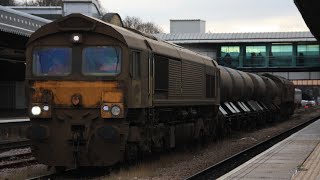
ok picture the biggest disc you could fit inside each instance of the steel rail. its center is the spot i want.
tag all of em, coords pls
(18, 163)
(14, 145)
(15, 156)
(224, 166)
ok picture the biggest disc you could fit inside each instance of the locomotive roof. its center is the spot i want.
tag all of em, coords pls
(132, 38)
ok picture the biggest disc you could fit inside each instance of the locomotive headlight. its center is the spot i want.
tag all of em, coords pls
(36, 110)
(105, 108)
(115, 110)
(45, 108)
(76, 38)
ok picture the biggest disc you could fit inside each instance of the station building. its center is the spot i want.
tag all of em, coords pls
(293, 55)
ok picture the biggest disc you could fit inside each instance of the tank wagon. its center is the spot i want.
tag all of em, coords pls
(99, 94)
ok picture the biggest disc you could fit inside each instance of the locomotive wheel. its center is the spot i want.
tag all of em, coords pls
(203, 138)
(60, 169)
(236, 124)
(131, 153)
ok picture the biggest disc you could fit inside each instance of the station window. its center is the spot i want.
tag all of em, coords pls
(229, 56)
(308, 55)
(135, 65)
(255, 56)
(280, 56)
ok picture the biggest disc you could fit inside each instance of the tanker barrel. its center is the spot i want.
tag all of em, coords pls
(248, 88)
(235, 85)
(273, 91)
(226, 85)
(259, 86)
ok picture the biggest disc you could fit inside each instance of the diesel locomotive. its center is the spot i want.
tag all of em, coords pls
(99, 94)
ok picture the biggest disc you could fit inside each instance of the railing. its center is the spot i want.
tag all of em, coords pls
(270, 61)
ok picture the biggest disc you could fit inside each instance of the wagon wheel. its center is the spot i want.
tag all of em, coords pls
(222, 126)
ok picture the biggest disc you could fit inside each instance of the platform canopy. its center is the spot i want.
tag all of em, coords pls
(310, 10)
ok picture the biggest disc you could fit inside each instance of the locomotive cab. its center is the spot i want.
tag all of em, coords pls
(78, 93)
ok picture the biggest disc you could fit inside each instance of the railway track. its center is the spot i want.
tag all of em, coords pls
(8, 145)
(81, 173)
(17, 160)
(223, 167)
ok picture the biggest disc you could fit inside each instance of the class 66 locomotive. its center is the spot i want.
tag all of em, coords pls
(99, 94)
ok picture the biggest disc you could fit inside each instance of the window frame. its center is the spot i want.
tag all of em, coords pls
(101, 74)
(70, 49)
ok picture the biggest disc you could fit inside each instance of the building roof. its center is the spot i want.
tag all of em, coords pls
(18, 22)
(186, 38)
(310, 13)
(186, 20)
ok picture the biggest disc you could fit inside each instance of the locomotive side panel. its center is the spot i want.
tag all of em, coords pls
(175, 79)
(193, 85)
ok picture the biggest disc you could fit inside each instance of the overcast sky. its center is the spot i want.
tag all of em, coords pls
(220, 15)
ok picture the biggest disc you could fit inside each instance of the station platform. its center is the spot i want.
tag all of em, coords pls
(14, 120)
(297, 157)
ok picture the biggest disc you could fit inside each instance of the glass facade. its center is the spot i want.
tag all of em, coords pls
(230, 56)
(270, 55)
(255, 56)
(280, 56)
(308, 55)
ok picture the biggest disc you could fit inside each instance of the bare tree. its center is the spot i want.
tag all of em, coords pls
(43, 3)
(8, 3)
(146, 27)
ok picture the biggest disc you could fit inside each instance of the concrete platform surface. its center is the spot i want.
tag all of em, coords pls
(13, 120)
(296, 157)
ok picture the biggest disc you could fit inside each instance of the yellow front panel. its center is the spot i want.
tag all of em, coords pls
(90, 92)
